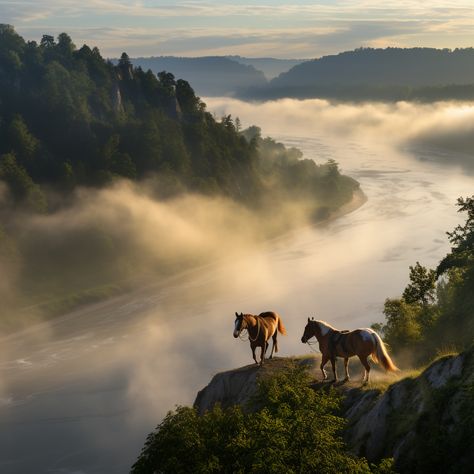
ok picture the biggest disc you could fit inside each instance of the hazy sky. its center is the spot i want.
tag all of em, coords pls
(278, 28)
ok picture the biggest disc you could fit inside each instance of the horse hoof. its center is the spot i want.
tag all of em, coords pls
(346, 380)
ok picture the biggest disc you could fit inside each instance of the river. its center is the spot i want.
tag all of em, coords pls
(79, 395)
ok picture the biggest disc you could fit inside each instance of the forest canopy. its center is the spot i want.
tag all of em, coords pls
(70, 118)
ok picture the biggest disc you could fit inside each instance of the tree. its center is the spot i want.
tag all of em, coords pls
(21, 141)
(462, 239)
(403, 327)
(65, 44)
(333, 168)
(167, 83)
(47, 41)
(422, 286)
(228, 122)
(124, 61)
(22, 188)
(238, 125)
(186, 97)
(10, 40)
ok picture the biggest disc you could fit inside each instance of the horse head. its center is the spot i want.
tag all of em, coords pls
(309, 330)
(239, 324)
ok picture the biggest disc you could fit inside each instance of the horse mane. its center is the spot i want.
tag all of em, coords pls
(324, 324)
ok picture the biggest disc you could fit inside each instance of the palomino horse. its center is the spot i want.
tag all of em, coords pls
(360, 343)
(260, 329)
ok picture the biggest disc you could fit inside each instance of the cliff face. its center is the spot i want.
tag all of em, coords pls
(417, 415)
(422, 419)
(236, 387)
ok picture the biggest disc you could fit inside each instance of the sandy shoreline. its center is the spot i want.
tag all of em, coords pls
(358, 200)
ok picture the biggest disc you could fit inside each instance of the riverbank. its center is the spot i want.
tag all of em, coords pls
(358, 200)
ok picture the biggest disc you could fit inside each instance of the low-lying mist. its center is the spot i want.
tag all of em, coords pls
(119, 237)
(125, 360)
(435, 127)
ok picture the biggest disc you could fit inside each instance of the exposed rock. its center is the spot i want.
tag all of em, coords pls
(438, 374)
(236, 387)
(228, 388)
(173, 109)
(117, 98)
(389, 425)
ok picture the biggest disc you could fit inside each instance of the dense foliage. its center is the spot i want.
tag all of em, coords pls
(436, 310)
(69, 118)
(294, 429)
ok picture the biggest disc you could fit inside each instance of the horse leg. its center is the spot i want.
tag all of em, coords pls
(364, 362)
(262, 354)
(333, 365)
(253, 354)
(275, 344)
(324, 360)
(346, 363)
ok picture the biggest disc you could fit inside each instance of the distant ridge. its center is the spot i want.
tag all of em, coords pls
(210, 75)
(390, 66)
(425, 74)
(271, 67)
(390, 73)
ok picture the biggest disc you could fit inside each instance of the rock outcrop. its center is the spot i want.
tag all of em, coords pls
(400, 421)
(236, 387)
(397, 422)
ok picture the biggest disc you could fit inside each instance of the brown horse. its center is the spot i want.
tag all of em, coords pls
(260, 329)
(360, 343)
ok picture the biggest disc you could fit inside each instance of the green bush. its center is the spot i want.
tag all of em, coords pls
(287, 428)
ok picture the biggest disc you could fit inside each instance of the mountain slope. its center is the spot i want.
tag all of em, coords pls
(425, 74)
(384, 67)
(271, 67)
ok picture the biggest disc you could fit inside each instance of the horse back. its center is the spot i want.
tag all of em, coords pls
(270, 320)
(269, 315)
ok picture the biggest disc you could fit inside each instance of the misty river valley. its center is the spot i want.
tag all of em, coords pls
(80, 393)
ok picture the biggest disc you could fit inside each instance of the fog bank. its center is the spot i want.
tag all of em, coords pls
(434, 127)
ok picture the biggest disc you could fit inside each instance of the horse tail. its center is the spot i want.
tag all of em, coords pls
(281, 327)
(380, 354)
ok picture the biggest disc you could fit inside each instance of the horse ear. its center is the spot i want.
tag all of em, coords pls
(312, 318)
(308, 320)
(236, 314)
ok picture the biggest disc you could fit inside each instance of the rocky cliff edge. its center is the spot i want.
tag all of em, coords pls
(400, 419)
